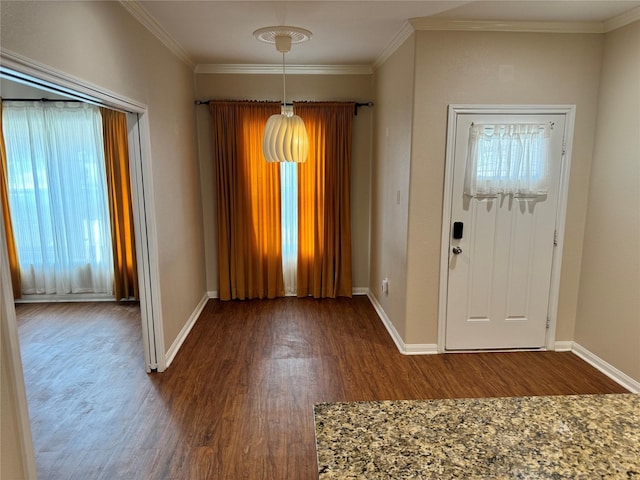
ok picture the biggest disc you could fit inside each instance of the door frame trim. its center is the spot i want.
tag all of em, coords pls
(454, 110)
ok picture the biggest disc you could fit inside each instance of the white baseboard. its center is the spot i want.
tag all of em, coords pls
(182, 336)
(563, 346)
(404, 348)
(395, 336)
(355, 291)
(420, 349)
(68, 298)
(609, 370)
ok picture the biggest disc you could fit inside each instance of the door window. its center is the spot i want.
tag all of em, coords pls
(507, 159)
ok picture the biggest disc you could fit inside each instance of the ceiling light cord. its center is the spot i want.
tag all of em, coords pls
(284, 83)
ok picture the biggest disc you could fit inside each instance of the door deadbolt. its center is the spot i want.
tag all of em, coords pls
(456, 250)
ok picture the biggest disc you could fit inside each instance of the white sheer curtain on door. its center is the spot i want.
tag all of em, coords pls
(510, 159)
(57, 197)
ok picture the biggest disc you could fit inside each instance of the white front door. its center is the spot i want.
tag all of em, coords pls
(499, 271)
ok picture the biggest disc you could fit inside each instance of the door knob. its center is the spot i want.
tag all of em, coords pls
(456, 250)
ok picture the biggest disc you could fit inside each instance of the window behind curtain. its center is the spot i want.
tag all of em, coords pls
(57, 197)
(289, 219)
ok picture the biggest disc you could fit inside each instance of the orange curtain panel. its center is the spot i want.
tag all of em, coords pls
(116, 153)
(324, 203)
(14, 265)
(248, 202)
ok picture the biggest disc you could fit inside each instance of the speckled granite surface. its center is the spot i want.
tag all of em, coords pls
(572, 437)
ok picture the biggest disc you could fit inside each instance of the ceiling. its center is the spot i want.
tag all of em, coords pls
(344, 32)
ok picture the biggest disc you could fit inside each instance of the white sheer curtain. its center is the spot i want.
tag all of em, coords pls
(289, 222)
(507, 159)
(57, 197)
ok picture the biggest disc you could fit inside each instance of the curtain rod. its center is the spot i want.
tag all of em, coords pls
(357, 104)
(40, 100)
(552, 124)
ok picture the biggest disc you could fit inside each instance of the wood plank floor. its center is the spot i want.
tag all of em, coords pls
(237, 402)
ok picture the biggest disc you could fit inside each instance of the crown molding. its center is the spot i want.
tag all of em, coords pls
(405, 32)
(444, 24)
(426, 23)
(150, 23)
(622, 20)
(277, 69)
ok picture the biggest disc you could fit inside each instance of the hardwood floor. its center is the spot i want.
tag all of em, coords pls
(237, 402)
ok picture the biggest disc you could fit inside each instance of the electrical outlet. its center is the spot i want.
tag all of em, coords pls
(385, 286)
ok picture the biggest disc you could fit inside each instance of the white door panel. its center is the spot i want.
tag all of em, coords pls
(498, 286)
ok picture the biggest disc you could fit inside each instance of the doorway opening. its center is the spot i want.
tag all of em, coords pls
(37, 77)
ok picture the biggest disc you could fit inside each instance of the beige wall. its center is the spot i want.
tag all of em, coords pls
(102, 44)
(608, 321)
(299, 87)
(390, 182)
(463, 68)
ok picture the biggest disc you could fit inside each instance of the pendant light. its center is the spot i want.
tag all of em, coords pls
(285, 136)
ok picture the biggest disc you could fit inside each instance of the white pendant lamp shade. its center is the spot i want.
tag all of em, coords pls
(285, 136)
(285, 139)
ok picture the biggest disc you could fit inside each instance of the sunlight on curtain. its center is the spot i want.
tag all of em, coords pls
(507, 159)
(289, 214)
(260, 182)
(58, 198)
(248, 202)
(324, 201)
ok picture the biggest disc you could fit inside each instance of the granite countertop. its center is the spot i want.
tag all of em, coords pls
(556, 437)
